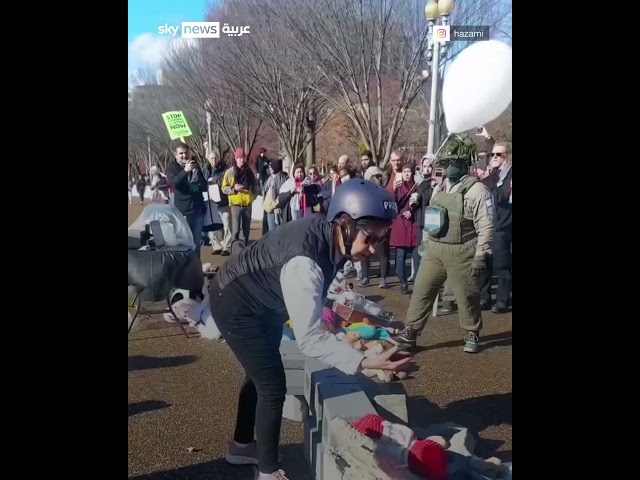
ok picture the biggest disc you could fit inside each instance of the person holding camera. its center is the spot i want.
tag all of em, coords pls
(186, 178)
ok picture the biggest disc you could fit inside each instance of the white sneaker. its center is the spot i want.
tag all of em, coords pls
(279, 475)
(471, 342)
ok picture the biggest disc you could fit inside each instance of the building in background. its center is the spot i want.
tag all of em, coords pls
(165, 77)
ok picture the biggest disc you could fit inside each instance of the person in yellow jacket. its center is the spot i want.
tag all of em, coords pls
(240, 184)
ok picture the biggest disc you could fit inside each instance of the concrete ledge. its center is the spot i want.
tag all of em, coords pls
(312, 438)
(354, 457)
(319, 468)
(292, 358)
(311, 366)
(329, 384)
(349, 407)
(295, 382)
(331, 394)
(295, 408)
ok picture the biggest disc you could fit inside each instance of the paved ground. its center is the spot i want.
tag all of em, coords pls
(182, 393)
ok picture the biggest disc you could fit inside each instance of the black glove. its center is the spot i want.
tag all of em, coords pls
(479, 265)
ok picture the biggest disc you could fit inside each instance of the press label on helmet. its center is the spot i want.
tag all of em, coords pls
(390, 206)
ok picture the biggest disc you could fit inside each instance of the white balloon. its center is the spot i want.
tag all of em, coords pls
(477, 85)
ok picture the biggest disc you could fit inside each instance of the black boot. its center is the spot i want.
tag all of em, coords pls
(485, 305)
(404, 288)
(406, 338)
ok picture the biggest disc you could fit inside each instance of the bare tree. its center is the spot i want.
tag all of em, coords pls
(144, 76)
(338, 137)
(369, 53)
(232, 118)
(500, 128)
(257, 69)
(147, 128)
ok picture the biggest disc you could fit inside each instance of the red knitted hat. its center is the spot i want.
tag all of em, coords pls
(370, 425)
(240, 153)
(428, 460)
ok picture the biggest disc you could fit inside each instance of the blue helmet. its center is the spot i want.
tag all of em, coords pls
(362, 198)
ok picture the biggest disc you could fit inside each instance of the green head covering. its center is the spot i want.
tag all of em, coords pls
(458, 150)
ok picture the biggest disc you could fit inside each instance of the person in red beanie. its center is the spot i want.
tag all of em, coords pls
(241, 185)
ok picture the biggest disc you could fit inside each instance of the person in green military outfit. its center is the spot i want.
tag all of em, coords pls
(459, 226)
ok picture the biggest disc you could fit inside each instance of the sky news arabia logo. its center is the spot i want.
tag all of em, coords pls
(457, 33)
(202, 30)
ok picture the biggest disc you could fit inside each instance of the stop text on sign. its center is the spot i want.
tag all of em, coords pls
(176, 124)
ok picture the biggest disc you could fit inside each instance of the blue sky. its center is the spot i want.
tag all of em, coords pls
(145, 46)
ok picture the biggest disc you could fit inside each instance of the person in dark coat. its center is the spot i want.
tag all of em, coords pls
(424, 191)
(329, 187)
(403, 230)
(498, 180)
(263, 163)
(141, 186)
(186, 178)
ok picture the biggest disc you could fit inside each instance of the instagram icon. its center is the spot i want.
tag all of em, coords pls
(441, 33)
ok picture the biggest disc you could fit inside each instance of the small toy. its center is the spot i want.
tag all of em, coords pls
(424, 458)
(371, 349)
(368, 332)
(354, 341)
(287, 331)
(329, 320)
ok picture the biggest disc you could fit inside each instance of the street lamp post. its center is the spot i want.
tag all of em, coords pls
(310, 129)
(208, 131)
(437, 12)
(149, 152)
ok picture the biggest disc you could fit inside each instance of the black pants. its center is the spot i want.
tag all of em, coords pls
(402, 253)
(383, 252)
(255, 341)
(500, 264)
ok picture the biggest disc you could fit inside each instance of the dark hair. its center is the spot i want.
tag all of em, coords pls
(332, 166)
(181, 145)
(297, 166)
(410, 165)
(263, 150)
(368, 154)
(276, 165)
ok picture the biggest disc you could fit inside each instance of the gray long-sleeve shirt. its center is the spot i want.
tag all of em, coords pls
(302, 282)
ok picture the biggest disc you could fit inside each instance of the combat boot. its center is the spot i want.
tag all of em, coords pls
(406, 338)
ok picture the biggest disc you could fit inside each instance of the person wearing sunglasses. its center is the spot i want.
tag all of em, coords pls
(459, 226)
(499, 183)
(286, 275)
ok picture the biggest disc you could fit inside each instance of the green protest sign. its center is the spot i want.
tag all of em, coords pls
(176, 124)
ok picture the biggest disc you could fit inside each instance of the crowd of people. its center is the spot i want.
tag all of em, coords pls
(288, 196)
(448, 225)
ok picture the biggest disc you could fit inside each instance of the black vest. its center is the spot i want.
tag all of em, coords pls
(254, 274)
